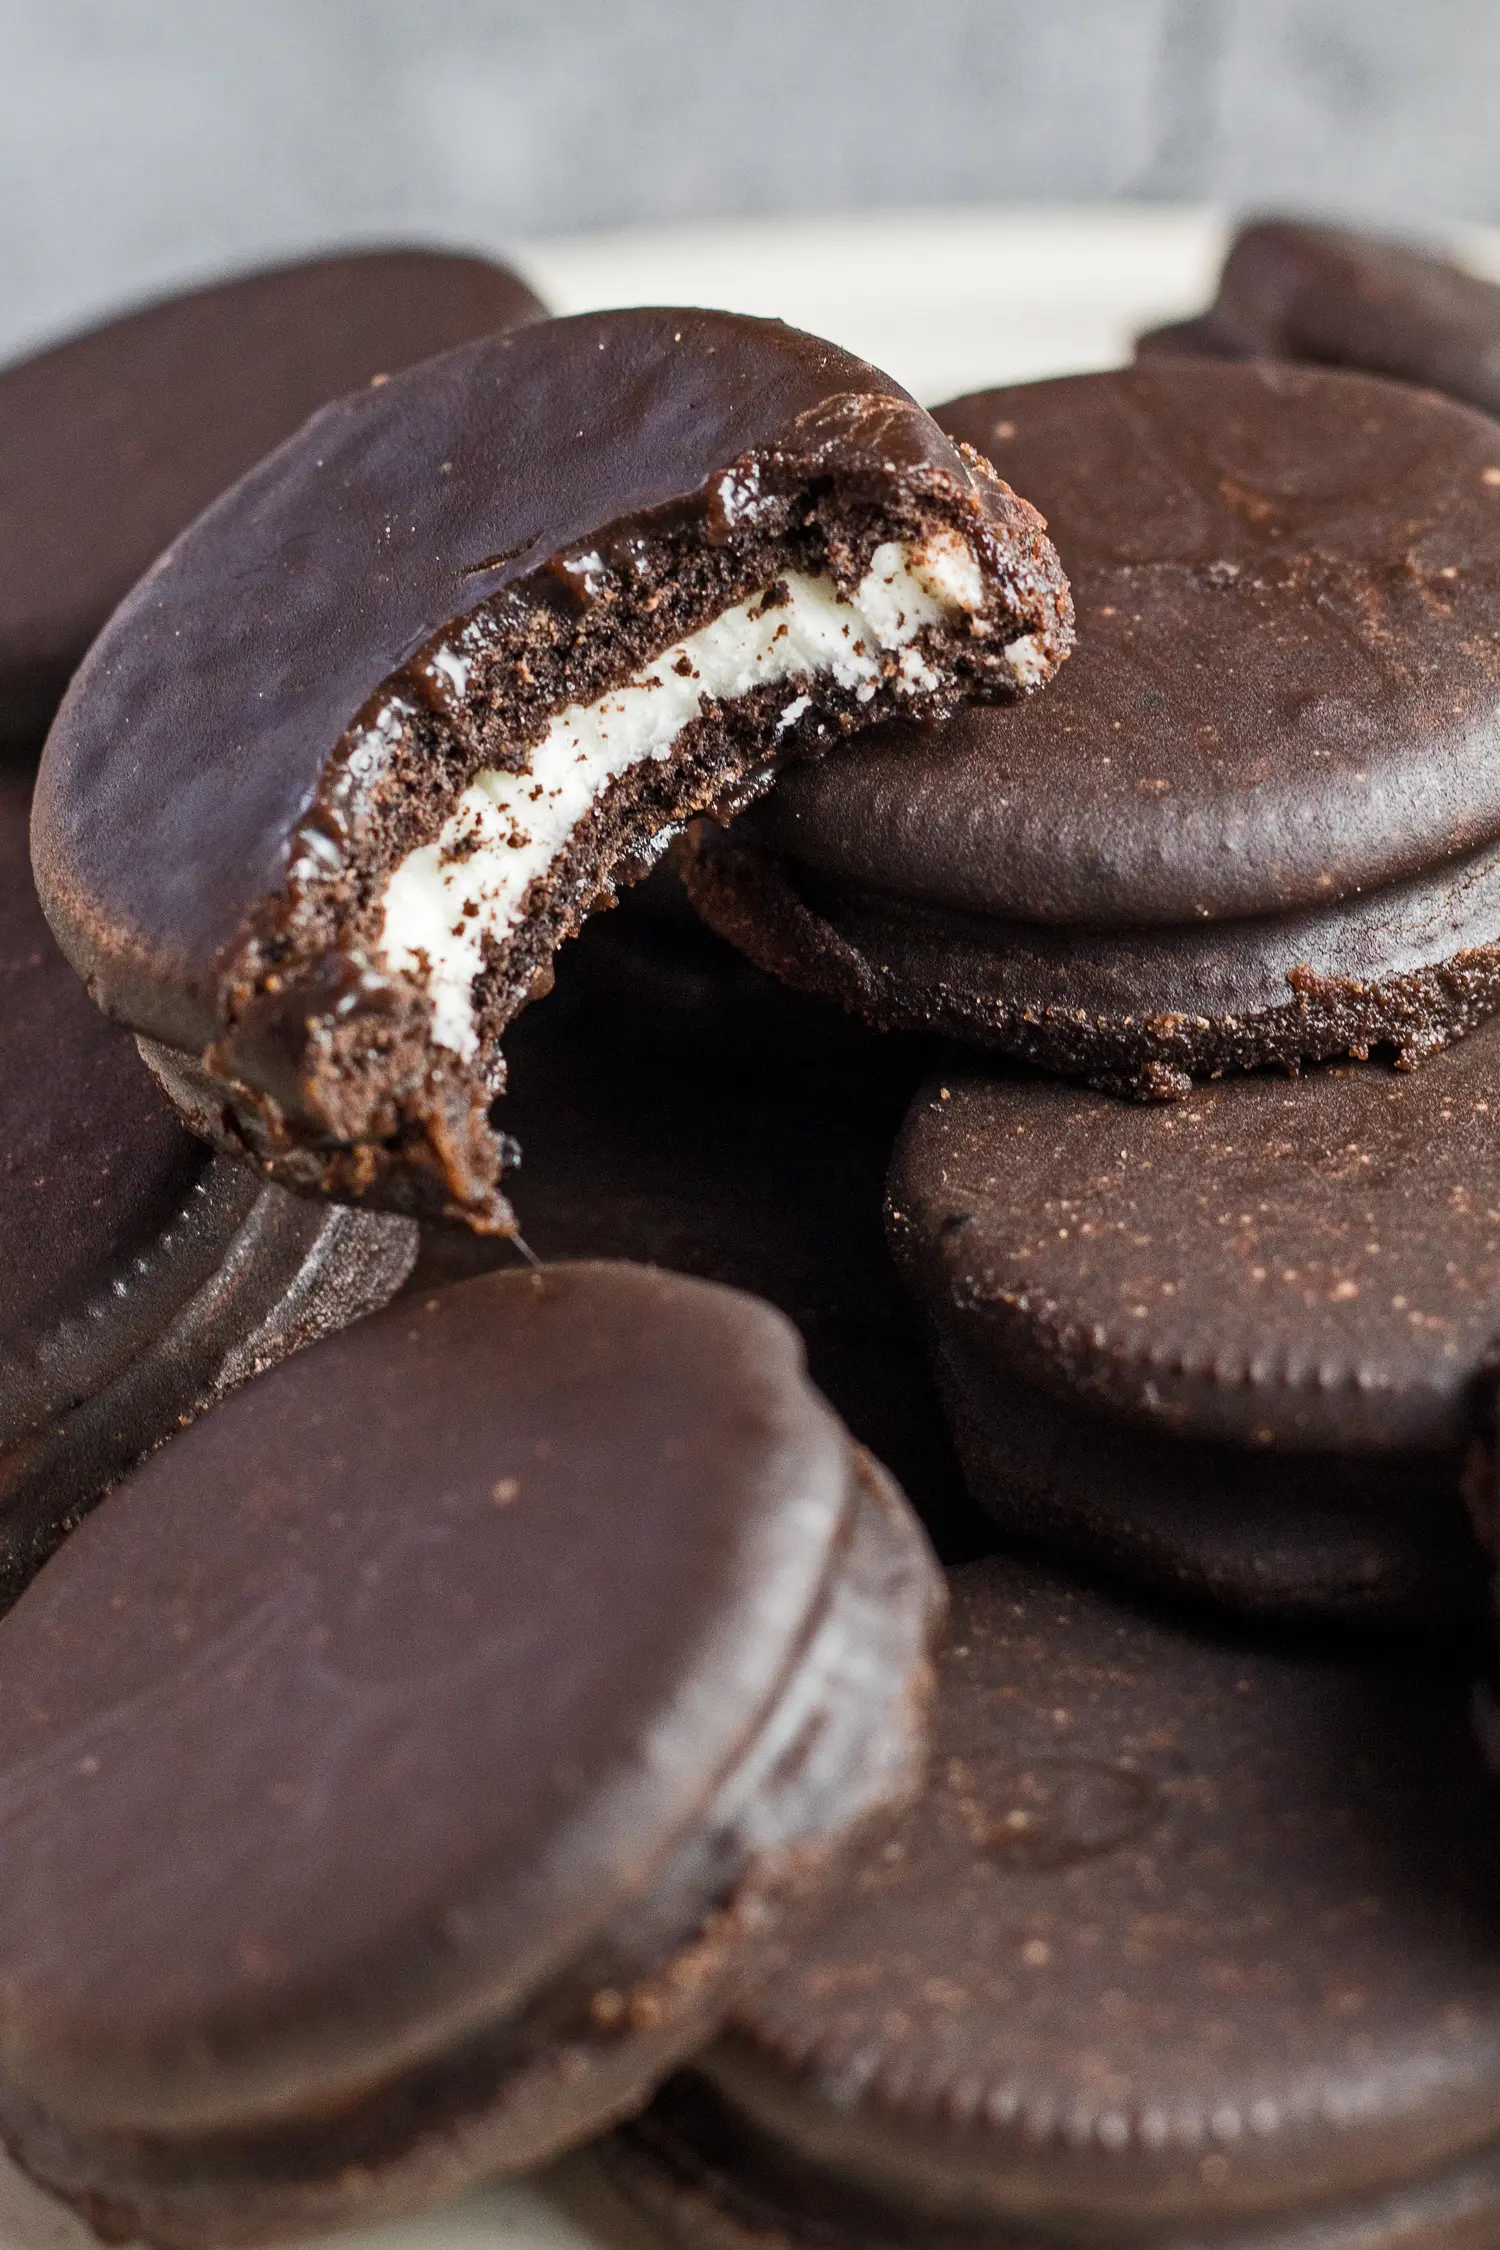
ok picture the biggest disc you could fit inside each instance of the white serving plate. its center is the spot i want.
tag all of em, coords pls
(946, 301)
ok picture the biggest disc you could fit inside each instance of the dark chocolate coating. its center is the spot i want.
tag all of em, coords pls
(115, 440)
(400, 1770)
(1286, 689)
(142, 1276)
(197, 736)
(1348, 299)
(1309, 1537)
(1198, 338)
(1187, 1942)
(1407, 968)
(1280, 1294)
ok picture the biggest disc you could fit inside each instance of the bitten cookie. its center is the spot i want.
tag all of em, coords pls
(143, 1277)
(1184, 1943)
(389, 720)
(116, 439)
(1257, 819)
(408, 1765)
(1236, 1348)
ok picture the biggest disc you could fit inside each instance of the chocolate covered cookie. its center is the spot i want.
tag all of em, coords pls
(116, 439)
(1344, 298)
(1236, 1347)
(381, 729)
(408, 1764)
(1257, 820)
(142, 1276)
(1185, 1943)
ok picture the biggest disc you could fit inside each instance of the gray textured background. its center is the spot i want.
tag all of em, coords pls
(147, 141)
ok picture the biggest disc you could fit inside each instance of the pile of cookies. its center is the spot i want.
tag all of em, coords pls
(537, 1610)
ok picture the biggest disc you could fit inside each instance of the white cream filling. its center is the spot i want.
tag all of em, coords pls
(508, 828)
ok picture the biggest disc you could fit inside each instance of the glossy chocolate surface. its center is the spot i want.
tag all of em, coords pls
(116, 439)
(365, 1709)
(96, 1164)
(196, 738)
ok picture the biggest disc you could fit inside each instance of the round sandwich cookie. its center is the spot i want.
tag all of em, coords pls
(1237, 1347)
(406, 1767)
(396, 713)
(143, 1276)
(1257, 820)
(737, 1177)
(116, 439)
(1343, 298)
(1186, 1942)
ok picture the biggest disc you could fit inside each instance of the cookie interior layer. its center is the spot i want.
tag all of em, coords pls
(609, 571)
(143, 1277)
(539, 1711)
(1185, 1941)
(447, 903)
(1347, 299)
(117, 439)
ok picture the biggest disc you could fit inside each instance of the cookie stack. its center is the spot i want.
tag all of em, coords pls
(527, 1711)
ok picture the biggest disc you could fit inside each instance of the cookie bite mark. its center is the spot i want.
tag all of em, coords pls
(450, 902)
(514, 619)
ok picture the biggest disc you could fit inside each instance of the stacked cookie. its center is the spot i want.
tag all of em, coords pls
(516, 1716)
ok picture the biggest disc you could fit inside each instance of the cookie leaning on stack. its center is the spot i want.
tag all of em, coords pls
(609, 570)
